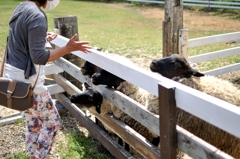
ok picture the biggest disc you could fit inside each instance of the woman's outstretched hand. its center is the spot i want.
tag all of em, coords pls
(71, 46)
(51, 36)
(74, 45)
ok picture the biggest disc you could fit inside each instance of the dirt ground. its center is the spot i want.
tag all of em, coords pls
(192, 19)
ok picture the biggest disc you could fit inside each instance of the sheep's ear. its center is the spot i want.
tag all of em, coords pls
(195, 73)
(98, 109)
(86, 85)
(72, 98)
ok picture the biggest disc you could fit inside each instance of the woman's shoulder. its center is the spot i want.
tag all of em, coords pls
(33, 14)
(29, 9)
(34, 9)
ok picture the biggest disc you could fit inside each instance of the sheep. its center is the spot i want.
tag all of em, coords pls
(211, 85)
(176, 65)
(138, 94)
(91, 99)
(87, 68)
(182, 68)
(94, 101)
(120, 85)
(117, 82)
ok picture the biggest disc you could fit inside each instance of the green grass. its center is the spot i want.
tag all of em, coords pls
(80, 147)
(20, 155)
(115, 29)
(19, 122)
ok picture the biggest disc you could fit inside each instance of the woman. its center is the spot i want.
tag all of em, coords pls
(26, 55)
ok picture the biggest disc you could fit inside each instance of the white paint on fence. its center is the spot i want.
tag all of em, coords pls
(55, 89)
(52, 69)
(223, 70)
(198, 3)
(214, 55)
(213, 39)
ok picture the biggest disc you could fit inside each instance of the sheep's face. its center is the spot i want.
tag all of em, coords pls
(105, 78)
(88, 68)
(88, 98)
(173, 66)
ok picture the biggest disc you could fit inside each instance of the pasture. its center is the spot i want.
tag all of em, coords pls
(133, 31)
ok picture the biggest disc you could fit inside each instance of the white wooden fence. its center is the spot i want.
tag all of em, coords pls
(235, 4)
(221, 38)
(227, 118)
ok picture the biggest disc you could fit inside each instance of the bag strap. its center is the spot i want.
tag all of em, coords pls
(10, 90)
(36, 78)
(4, 59)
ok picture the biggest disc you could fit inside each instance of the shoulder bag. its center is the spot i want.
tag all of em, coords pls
(15, 94)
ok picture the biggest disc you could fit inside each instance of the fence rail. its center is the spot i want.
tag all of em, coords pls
(213, 39)
(221, 38)
(199, 3)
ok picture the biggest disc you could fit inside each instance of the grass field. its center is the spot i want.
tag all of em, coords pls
(129, 30)
(133, 31)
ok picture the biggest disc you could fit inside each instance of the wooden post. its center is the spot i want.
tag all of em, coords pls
(67, 27)
(183, 43)
(171, 25)
(209, 5)
(168, 121)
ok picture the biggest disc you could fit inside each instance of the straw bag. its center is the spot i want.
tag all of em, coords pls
(15, 94)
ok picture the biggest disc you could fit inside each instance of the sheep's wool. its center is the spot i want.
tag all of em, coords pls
(215, 87)
(221, 89)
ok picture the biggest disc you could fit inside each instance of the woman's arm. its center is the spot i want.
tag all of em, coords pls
(72, 45)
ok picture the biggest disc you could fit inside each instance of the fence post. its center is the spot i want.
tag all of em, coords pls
(172, 23)
(167, 120)
(209, 5)
(67, 27)
(183, 43)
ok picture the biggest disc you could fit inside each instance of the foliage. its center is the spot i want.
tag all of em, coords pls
(20, 155)
(19, 122)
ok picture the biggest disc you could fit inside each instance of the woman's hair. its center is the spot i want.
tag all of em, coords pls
(41, 2)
